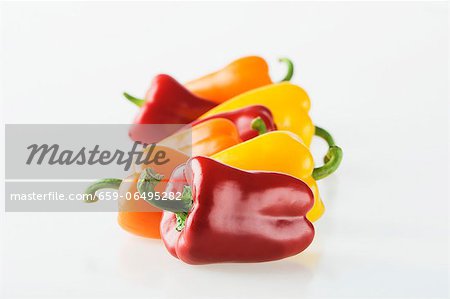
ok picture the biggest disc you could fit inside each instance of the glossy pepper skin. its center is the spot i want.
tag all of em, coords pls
(237, 216)
(288, 103)
(166, 102)
(239, 76)
(243, 119)
(278, 151)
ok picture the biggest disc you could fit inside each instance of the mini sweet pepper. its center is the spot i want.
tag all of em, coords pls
(166, 102)
(239, 76)
(230, 215)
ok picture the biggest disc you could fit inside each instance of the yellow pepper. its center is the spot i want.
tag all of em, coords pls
(288, 103)
(282, 151)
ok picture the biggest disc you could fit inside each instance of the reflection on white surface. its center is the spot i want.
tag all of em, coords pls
(376, 74)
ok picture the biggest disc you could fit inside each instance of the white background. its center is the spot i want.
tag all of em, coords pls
(377, 77)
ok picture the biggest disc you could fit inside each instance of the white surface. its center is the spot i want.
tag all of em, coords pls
(377, 76)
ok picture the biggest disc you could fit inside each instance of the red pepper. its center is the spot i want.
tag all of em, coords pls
(230, 215)
(166, 102)
(244, 119)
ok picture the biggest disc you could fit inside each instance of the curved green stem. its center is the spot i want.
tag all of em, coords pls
(100, 184)
(134, 100)
(332, 159)
(259, 125)
(290, 71)
(186, 197)
(324, 134)
(146, 185)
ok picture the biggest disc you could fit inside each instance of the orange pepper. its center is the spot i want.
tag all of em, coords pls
(137, 216)
(206, 138)
(239, 76)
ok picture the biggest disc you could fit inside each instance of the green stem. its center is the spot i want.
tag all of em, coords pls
(100, 184)
(147, 183)
(332, 159)
(259, 125)
(136, 101)
(290, 71)
(322, 133)
(186, 197)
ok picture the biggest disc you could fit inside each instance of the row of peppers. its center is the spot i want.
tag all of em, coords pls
(249, 191)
